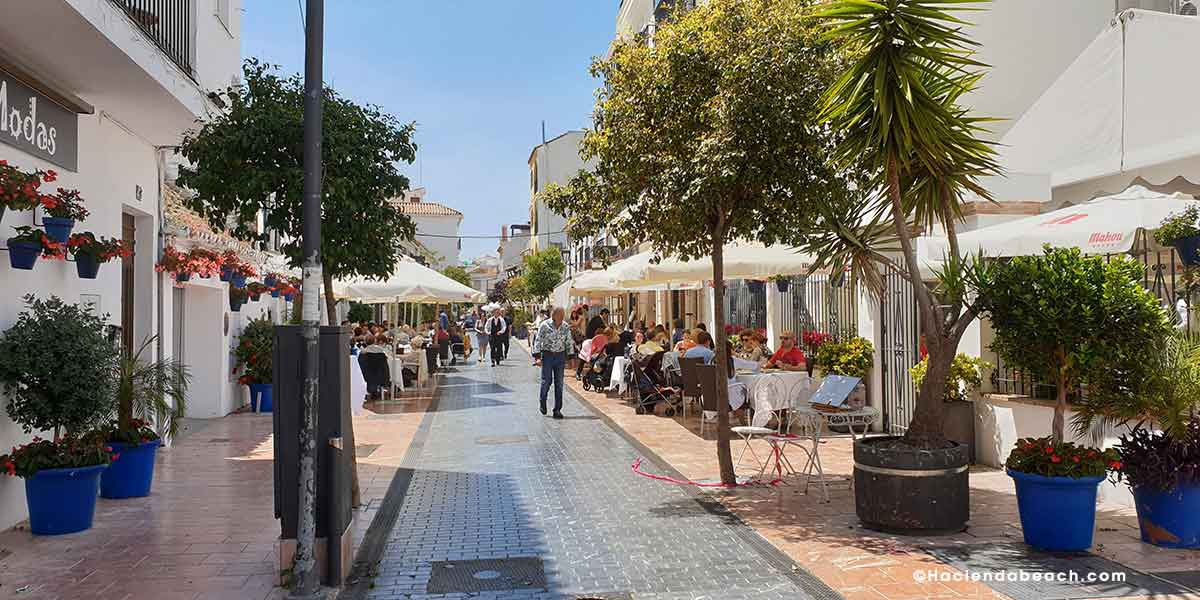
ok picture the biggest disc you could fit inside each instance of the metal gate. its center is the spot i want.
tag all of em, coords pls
(899, 350)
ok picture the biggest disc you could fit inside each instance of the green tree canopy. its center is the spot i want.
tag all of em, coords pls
(1062, 316)
(516, 289)
(542, 273)
(458, 274)
(708, 135)
(248, 160)
(360, 313)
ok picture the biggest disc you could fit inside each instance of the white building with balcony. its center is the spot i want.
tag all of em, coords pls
(115, 83)
(437, 240)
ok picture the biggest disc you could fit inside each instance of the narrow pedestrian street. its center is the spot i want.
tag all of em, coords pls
(506, 503)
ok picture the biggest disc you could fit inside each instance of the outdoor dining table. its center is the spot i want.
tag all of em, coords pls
(795, 387)
(617, 380)
(862, 417)
(358, 386)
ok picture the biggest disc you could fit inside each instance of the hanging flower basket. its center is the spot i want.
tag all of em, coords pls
(63, 210)
(19, 189)
(755, 287)
(29, 244)
(783, 284)
(237, 297)
(270, 280)
(90, 252)
(255, 290)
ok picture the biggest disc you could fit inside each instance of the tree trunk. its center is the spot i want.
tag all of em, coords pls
(724, 456)
(926, 430)
(1058, 425)
(330, 301)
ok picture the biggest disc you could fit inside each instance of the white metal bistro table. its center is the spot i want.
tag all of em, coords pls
(795, 387)
(862, 417)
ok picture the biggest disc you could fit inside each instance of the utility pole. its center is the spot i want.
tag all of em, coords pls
(305, 568)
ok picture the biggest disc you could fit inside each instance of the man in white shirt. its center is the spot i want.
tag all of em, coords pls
(497, 329)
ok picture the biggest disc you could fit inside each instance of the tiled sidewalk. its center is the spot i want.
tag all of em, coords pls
(208, 529)
(825, 538)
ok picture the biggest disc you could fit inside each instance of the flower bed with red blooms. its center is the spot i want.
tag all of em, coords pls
(1041, 456)
(103, 249)
(26, 460)
(253, 352)
(19, 189)
(230, 260)
(139, 432)
(65, 204)
(50, 248)
(199, 261)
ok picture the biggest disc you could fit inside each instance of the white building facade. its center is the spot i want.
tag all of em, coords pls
(554, 161)
(438, 228)
(114, 87)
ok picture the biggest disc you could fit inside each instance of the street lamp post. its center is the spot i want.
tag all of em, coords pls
(306, 573)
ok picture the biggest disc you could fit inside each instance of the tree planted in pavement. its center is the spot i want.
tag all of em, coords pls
(543, 272)
(248, 160)
(458, 274)
(707, 136)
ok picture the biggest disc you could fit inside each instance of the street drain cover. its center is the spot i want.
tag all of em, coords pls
(1021, 573)
(497, 440)
(492, 575)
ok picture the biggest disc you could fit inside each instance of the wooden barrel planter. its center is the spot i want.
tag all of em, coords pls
(903, 490)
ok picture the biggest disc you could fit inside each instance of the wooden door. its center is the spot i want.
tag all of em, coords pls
(128, 235)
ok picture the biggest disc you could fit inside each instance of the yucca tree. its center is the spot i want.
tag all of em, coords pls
(153, 389)
(897, 111)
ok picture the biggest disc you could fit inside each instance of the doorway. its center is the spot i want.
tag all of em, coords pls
(128, 238)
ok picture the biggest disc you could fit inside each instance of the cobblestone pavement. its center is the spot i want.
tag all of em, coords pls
(494, 479)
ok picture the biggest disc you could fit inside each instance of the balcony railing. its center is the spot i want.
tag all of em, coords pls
(168, 23)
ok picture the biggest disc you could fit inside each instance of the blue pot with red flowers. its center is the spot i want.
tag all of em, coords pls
(226, 274)
(1163, 470)
(58, 229)
(270, 281)
(23, 254)
(132, 473)
(1056, 487)
(62, 482)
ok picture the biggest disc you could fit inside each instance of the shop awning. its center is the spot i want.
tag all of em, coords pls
(1106, 225)
(742, 260)
(409, 282)
(1127, 102)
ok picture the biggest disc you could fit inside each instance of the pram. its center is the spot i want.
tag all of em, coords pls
(598, 372)
(649, 387)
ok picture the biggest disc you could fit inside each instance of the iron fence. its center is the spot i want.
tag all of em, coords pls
(168, 23)
(899, 350)
(745, 307)
(815, 303)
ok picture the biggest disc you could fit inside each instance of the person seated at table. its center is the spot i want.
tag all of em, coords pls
(677, 331)
(662, 339)
(615, 346)
(703, 348)
(687, 342)
(788, 357)
(376, 345)
(751, 347)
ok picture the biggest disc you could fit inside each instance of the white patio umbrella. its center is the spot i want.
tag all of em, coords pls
(1105, 225)
(742, 260)
(605, 282)
(409, 282)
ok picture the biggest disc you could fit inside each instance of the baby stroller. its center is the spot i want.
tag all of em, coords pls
(598, 372)
(649, 388)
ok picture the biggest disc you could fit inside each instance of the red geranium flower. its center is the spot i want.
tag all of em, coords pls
(1055, 459)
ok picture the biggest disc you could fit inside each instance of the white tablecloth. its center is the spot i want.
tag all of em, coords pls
(358, 386)
(617, 381)
(792, 388)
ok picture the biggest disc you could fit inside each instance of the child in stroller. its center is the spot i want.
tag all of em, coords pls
(598, 371)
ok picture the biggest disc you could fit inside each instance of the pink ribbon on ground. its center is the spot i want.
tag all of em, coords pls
(637, 468)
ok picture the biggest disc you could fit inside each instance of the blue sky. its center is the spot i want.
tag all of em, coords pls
(477, 76)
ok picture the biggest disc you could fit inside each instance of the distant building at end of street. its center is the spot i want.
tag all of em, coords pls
(437, 228)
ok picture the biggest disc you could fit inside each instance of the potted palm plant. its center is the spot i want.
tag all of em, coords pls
(90, 252)
(253, 355)
(1068, 319)
(1160, 451)
(1181, 231)
(56, 367)
(148, 389)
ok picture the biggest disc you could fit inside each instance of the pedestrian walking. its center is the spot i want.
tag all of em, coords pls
(507, 335)
(481, 337)
(552, 344)
(496, 329)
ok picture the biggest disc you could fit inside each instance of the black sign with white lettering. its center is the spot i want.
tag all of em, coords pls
(35, 124)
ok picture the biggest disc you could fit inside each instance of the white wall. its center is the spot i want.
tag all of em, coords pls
(556, 161)
(446, 248)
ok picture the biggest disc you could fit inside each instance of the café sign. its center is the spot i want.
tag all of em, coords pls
(37, 125)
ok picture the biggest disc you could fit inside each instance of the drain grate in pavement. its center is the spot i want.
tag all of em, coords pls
(1086, 575)
(499, 440)
(471, 576)
(365, 450)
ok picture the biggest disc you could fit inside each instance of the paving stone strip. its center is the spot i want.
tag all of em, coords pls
(497, 502)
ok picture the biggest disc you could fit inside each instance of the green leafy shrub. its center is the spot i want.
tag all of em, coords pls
(360, 313)
(57, 367)
(148, 388)
(853, 357)
(71, 452)
(1178, 225)
(253, 352)
(965, 376)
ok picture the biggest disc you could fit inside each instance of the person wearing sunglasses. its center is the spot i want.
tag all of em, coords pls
(788, 357)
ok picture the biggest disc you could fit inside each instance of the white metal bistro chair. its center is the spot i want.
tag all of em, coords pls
(764, 390)
(803, 432)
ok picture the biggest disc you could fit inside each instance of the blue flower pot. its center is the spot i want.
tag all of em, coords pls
(235, 305)
(62, 500)
(1058, 514)
(274, 293)
(1169, 519)
(261, 397)
(58, 229)
(132, 473)
(269, 281)
(782, 285)
(755, 286)
(226, 274)
(288, 297)
(87, 266)
(238, 280)
(23, 255)
(1188, 249)
(182, 277)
